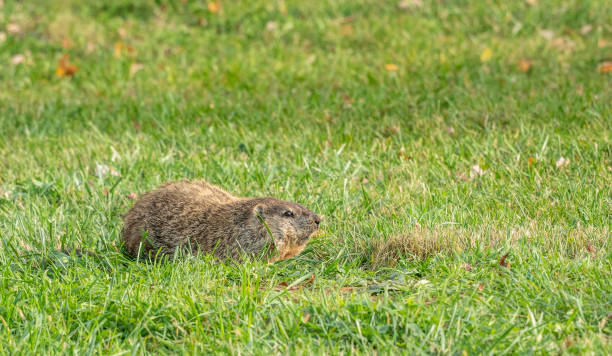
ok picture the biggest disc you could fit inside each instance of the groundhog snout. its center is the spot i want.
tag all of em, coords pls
(316, 219)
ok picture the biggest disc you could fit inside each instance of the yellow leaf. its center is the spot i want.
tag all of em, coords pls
(391, 67)
(118, 49)
(524, 65)
(486, 55)
(213, 6)
(64, 67)
(605, 67)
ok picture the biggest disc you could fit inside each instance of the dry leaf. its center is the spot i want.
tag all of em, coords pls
(502, 261)
(214, 6)
(13, 28)
(562, 162)
(586, 29)
(346, 30)
(64, 68)
(271, 26)
(389, 131)
(524, 65)
(135, 67)
(480, 287)
(601, 43)
(564, 43)
(17, 59)
(348, 101)
(118, 49)
(605, 67)
(2, 37)
(462, 176)
(486, 55)
(305, 317)
(547, 34)
(531, 2)
(391, 67)
(476, 172)
(409, 4)
(531, 161)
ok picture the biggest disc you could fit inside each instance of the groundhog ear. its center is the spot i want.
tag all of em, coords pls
(258, 210)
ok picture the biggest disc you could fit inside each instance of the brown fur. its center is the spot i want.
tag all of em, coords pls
(200, 217)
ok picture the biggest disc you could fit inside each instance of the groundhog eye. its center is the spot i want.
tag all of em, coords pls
(288, 213)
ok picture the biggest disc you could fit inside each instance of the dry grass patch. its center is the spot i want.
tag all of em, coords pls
(421, 243)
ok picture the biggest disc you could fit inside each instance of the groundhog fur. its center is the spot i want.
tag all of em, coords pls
(198, 217)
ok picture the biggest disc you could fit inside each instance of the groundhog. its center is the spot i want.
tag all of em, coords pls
(198, 217)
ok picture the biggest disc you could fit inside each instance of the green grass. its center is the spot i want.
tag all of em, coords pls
(293, 99)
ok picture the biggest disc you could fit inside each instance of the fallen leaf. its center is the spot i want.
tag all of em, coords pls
(214, 6)
(348, 101)
(531, 161)
(547, 34)
(462, 176)
(564, 43)
(132, 196)
(271, 26)
(409, 4)
(135, 67)
(391, 67)
(502, 261)
(586, 29)
(467, 267)
(118, 49)
(13, 28)
(64, 68)
(346, 30)
(480, 287)
(305, 317)
(2, 37)
(601, 43)
(390, 130)
(486, 55)
(531, 2)
(17, 59)
(476, 172)
(524, 65)
(562, 162)
(605, 67)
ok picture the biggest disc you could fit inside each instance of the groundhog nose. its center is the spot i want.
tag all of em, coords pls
(316, 219)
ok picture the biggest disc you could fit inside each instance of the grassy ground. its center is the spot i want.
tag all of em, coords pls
(434, 137)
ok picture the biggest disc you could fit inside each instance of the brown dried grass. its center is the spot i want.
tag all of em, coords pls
(421, 243)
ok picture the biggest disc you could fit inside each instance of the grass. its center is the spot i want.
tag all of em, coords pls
(372, 115)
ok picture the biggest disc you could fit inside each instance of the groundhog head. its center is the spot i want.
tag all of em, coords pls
(291, 225)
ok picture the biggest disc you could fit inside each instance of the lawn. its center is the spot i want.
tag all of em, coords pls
(460, 153)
